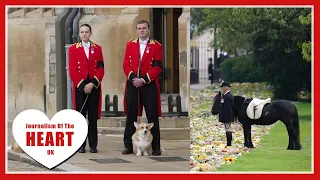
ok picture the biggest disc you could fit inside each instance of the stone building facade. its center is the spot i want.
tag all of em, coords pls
(37, 44)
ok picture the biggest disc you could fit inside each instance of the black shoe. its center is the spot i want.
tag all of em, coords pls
(126, 151)
(156, 153)
(82, 150)
(93, 150)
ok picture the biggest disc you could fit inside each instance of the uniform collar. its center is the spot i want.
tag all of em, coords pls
(226, 93)
(144, 42)
(86, 44)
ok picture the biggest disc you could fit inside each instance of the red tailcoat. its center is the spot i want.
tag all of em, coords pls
(79, 68)
(150, 66)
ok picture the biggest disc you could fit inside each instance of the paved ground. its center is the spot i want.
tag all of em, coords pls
(109, 158)
(17, 166)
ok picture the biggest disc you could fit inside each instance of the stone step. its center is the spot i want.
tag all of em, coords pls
(165, 133)
(166, 122)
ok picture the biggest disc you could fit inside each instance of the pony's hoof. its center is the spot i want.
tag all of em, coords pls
(298, 148)
(249, 146)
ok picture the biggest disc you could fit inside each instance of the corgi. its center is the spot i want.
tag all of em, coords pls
(142, 139)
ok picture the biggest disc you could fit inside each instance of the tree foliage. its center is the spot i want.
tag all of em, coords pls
(245, 68)
(280, 39)
(306, 46)
(230, 33)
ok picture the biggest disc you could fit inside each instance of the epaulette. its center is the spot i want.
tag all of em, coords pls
(93, 44)
(78, 44)
(135, 40)
(151, 41)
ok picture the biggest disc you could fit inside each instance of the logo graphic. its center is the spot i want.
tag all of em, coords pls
(50, 142)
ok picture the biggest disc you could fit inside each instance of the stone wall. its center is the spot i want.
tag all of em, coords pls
(184, 51)
(50, 59)
(26, 65)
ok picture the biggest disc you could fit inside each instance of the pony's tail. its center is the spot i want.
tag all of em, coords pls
(296, 121)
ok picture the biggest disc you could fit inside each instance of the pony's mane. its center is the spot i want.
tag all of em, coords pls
(240, 97)
(238, 100)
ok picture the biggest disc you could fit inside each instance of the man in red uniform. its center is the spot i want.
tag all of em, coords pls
(142, 66)
(86, 69)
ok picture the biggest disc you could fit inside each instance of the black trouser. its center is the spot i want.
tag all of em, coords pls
(148, 96)
(211, 78)
(91, 107)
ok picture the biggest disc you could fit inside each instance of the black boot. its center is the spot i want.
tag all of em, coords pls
(127, 149)
(229, 138)
(82, 150)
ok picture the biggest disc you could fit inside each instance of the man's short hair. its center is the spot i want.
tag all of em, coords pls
(143, 22)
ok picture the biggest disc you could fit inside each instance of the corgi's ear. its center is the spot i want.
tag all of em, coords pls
(136, 124)
(150, 125)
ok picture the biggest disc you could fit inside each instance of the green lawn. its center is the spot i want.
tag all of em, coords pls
(271, 155)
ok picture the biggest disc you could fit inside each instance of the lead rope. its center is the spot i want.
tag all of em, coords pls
(138, 108)
(87, 94)
(138, 74)
(84, 103)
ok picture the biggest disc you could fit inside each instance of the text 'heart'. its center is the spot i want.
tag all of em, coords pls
(50, 142)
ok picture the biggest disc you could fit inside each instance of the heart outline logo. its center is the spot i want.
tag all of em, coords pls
(50, 142)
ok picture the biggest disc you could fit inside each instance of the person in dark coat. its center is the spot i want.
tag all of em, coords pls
(210, 70)
(142, 66)
(86, 68)
(226, 110)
